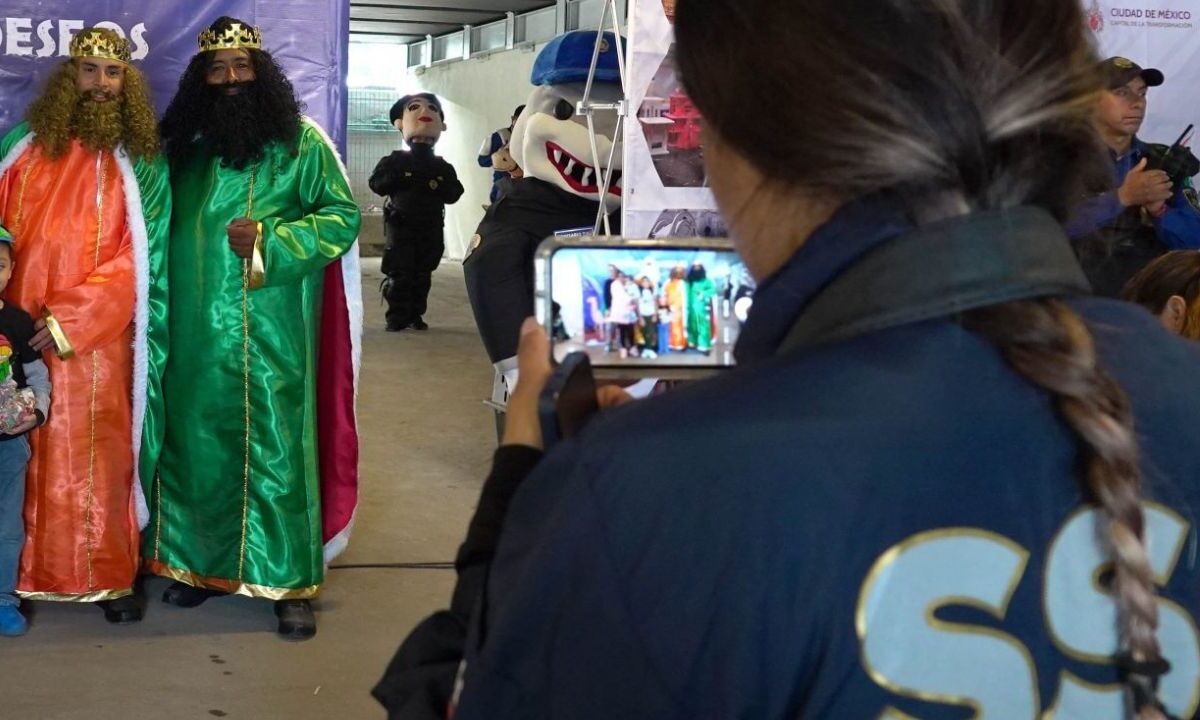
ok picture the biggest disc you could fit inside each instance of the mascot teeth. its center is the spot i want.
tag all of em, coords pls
(582, 177)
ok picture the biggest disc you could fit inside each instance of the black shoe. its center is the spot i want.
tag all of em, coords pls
(122, 611)
(296, 619)
(185, 596)
(397, 327)
(420, 324)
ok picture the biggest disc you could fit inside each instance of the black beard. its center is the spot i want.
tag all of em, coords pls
(233, 128)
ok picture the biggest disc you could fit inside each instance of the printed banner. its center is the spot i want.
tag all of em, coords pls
(666, 191)
(310, 38)
(1163, 34)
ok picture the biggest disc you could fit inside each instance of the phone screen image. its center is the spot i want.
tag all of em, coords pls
(647, 306)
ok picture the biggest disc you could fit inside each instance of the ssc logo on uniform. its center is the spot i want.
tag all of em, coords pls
(910, 650)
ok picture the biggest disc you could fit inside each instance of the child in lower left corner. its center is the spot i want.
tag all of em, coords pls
(28, 371)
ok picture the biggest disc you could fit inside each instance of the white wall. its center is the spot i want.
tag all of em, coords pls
(479, 96)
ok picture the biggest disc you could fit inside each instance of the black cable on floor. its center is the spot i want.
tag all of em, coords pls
(395, 566)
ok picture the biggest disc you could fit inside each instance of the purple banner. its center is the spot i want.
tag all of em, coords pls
(309, 38)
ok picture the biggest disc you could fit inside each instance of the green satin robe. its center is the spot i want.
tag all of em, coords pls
(216, 523)
(700, 300)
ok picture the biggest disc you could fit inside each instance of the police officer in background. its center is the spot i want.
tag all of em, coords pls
(418, 186)
(1153, 208)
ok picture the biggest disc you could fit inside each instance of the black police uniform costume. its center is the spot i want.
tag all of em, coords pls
(418, 185)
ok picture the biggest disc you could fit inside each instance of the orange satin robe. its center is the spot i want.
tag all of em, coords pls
(74, 256)
(676, 292)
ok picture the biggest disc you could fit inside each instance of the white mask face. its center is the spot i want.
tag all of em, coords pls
(422, 121)
(551, 143)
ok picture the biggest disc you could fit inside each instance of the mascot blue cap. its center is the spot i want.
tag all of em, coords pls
(568, 58)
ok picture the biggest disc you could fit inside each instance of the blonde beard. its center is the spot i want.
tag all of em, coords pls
(99, 125)
(58, 116)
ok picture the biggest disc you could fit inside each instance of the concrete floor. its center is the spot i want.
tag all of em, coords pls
(427, 443)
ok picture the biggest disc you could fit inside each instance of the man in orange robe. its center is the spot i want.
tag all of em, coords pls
(86, 198)
(677, 297)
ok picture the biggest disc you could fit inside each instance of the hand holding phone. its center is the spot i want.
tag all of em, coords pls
(568, 401)
(523, 424)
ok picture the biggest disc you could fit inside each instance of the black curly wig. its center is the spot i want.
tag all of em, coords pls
(237, 128)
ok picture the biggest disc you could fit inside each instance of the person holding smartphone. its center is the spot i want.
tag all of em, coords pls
(922, 487)
(1117, 232)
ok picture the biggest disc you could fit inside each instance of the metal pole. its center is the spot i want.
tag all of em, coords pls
(588, 109)
(602, 215)
(587, 90)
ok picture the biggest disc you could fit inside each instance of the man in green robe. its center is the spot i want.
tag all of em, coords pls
(701, 291)
(264, 208)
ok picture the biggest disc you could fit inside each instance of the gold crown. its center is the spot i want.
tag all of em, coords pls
(101, 43)
(235, 37)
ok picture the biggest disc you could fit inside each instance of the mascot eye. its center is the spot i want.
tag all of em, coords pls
(564, 110)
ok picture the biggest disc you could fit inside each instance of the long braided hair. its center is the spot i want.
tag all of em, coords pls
(954, 106)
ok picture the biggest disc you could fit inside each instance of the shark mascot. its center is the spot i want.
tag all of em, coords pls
(558, 195)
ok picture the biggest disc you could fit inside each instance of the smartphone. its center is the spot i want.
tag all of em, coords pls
(568, 401)
(670, 308)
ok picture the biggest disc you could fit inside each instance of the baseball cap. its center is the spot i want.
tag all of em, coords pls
(5, 236)
(1118, 71)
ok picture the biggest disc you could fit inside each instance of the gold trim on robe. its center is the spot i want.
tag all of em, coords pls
(233, 587)
(91, 597)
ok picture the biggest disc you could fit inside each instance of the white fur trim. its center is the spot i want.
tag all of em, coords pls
(337, 544)
(352, 282)
(15, 154)
(141, 320)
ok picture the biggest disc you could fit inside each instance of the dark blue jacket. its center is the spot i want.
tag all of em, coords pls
(893, 520)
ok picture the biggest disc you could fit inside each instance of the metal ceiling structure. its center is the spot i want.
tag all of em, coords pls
(407, 21)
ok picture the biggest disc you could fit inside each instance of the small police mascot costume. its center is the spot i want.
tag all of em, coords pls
(559, 193)
(418, 186)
